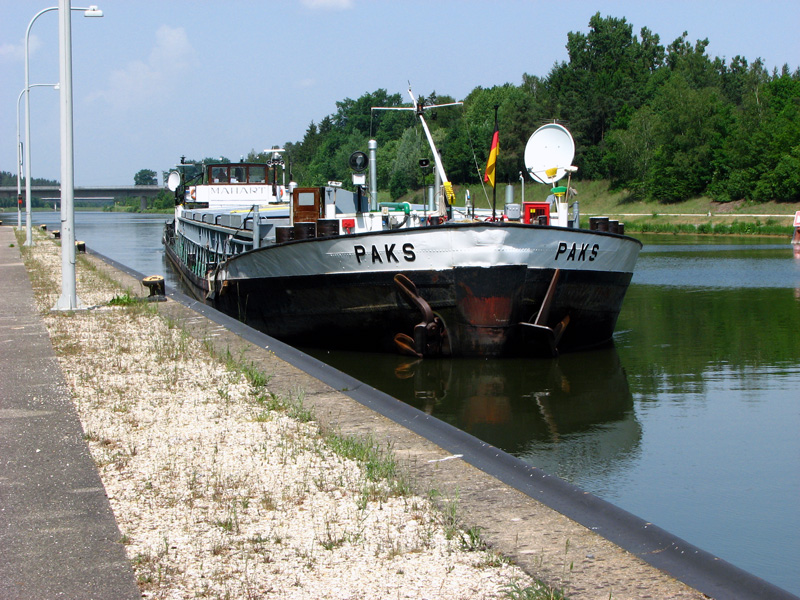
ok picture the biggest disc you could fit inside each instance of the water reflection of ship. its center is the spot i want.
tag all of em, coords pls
(570, 417)
(567, 416)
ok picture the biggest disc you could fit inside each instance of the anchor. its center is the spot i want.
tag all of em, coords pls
(542, 337)
(211, 279)
(430, 335)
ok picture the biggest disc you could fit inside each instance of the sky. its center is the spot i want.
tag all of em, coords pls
(156, 80)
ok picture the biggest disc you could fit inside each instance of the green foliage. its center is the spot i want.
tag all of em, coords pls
(145, 177)
(7, 178)
(10, 180)
(537, 591)
(164, 202)
(124, 300)
(405, 172)
(665, 123)
(735, 228)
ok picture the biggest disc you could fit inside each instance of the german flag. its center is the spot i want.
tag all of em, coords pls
(489, 177)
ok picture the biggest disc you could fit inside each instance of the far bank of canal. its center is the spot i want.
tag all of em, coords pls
(690, 421)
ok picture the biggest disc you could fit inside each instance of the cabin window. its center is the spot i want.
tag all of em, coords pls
(257, 174)
(305, 198)
(219, 175)
(238, 175)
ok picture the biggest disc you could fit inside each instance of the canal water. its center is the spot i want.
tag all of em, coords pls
(691, 420)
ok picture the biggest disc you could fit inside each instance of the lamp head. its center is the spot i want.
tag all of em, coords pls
(93, 11)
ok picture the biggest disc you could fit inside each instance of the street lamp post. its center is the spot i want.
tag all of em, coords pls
(92, 11)
(69, 298)
(19, 149)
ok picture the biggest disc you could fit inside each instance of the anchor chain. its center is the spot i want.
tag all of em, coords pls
(430, 335)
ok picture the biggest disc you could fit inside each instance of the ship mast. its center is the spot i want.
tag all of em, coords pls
(418, 109)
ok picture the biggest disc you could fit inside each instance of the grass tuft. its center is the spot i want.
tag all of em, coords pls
(537, 591)
(124, 300)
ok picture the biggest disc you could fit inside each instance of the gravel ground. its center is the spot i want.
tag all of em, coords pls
(222, 490)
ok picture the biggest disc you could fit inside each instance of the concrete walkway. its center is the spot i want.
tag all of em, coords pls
(58, 536)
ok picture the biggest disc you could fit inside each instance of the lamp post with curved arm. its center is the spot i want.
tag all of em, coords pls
(19, 148)
(69, 298)
(92, 11)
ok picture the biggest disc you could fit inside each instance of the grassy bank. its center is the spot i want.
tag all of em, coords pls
(698, 215)
(769, 226)
(695, 216)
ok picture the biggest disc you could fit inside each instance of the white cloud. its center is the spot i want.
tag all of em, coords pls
(142, 81)
(16, 52)
(10, 52)
(329, 4)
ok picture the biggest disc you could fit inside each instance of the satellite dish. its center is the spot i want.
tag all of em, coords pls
(549, 153)
(173, 181)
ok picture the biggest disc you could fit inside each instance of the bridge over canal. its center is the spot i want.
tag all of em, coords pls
(100, 195)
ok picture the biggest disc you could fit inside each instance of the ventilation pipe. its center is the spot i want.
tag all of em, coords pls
(373, 175)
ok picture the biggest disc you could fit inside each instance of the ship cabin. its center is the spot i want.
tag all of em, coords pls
(226, 184)
(241, 173)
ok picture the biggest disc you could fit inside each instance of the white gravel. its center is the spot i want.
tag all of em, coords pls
(220, 495)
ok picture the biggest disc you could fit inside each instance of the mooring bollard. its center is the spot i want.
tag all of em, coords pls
(56, 234)
(43, 227)
(155, 283)
(80, 247)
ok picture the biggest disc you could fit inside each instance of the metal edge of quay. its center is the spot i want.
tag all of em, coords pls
(687, 563)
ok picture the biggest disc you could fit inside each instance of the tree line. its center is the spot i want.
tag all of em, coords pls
(665, 123)
(10, 180)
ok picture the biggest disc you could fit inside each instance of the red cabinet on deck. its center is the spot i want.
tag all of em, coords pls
(531, 211)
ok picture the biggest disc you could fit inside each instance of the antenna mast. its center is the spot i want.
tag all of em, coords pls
(418, 109)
